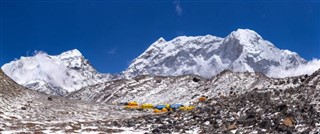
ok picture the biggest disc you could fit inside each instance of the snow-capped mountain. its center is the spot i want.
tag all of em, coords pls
(242, 50)
(56, 75)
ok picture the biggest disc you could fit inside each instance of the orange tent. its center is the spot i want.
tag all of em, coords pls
(202, 99)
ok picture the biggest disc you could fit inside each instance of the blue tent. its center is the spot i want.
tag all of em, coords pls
(176, 106)
(160, 107)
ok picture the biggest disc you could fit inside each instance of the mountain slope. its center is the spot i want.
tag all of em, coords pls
(180, 89)
(28, 111)
(256, 110)
(242, 50)
(56, 75)
(262, 110)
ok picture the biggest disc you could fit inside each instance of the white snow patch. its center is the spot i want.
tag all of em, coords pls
(233, 131)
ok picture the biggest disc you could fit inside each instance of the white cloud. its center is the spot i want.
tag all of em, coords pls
(40, 67)
(178, 7)
(51, 71)
(308, 68)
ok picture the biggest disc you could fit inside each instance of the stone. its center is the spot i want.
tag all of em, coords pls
(156, 131)
(288, 122)
(195, 79)
(232, 127)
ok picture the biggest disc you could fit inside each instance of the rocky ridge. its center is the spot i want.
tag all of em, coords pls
(181, 89)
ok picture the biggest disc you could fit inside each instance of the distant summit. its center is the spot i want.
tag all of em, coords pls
(56, 75)
(242, 50)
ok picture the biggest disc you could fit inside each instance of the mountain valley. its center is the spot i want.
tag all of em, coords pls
(65, 94)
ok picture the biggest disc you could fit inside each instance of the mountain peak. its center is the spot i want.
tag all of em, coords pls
(245, 32)
(56, 75)
(245, 35)
(161, 40)
(71, 53)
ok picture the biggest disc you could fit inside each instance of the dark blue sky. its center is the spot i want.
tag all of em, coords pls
(112, 33)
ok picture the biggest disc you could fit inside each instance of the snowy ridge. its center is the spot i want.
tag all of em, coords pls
(56, 75)
(241, 51)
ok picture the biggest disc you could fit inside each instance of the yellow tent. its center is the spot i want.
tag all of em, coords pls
(164, 110)
(147, 106)
(186, 108)
(133, 103)
(157, 111)
(167, 105)
(132, 107)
